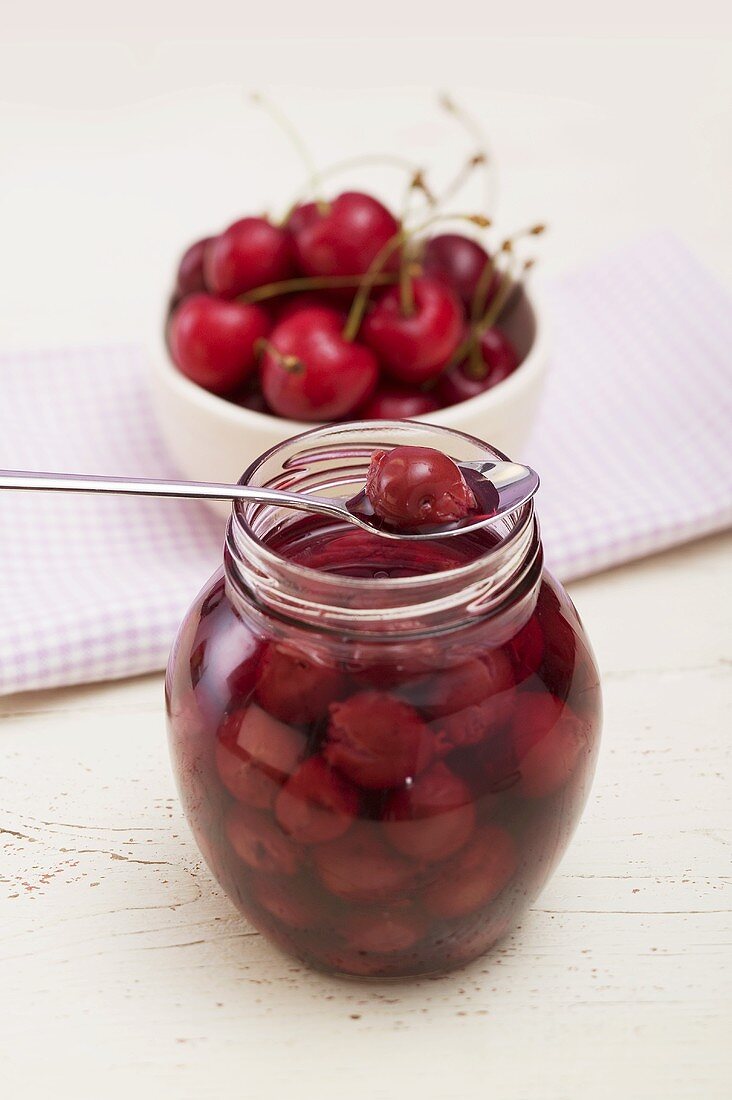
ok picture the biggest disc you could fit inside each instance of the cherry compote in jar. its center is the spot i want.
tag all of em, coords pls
(382, 747)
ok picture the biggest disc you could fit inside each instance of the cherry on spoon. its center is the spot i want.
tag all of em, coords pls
(498, 488)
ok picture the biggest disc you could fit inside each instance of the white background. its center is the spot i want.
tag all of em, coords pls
(120, 143)
(123, 970)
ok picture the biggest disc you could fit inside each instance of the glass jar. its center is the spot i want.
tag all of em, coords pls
(382, 747)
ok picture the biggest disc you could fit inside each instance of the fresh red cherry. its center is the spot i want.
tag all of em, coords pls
(304, 215)
(316, 804)
(310, 372)
(250, 253)
(294, 688)
(497, 360)
(413, 486)
(377, 740)
(394, 402)
(498, 354)
(549, 742)
(213, 342)
(360, 867)
(432, 818)
(190, 278)
(255, 754)
(475, 876)
(414, 345)
(259, 842)
(287, 306)
(343, 237)
(251, 398)
(458, 261)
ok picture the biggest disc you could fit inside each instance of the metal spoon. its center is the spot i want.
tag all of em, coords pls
(499, 488)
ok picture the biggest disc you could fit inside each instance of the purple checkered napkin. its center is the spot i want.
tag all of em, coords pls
(633, 445)
(91, 588)
(634, 437)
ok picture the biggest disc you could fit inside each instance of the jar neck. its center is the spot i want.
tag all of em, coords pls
(499, 584)
(488, 587)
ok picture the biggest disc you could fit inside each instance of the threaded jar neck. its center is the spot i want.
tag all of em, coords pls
(499, 583)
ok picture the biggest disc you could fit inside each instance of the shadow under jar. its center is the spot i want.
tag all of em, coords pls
(382, 747)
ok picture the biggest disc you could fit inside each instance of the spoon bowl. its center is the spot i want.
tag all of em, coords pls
(498, 488)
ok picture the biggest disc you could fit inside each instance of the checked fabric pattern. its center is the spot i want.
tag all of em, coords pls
(633, 443)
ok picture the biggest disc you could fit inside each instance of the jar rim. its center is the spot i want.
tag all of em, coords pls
(503, 544)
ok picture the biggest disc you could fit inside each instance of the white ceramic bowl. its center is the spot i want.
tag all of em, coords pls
(211, 439)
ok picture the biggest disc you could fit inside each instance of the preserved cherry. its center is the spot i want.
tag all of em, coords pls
(432, 817)
(295, 688)
(549, 742)
(360, 866)
(384, 932)
(257, 841)
(378, 741)
(255, 754)
(287, 906)
(476, 876)
(316, 803)
(416, 486)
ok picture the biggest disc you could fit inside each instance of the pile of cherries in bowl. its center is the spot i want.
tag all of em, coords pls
(341, 311)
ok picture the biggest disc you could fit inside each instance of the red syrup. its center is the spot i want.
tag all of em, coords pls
(345, 551)
(382, 807)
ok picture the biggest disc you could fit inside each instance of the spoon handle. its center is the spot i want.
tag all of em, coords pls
(514, 485)
(150, 487)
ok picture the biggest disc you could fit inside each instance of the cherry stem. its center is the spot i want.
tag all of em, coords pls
(406, 289)
(461, 178)
(528, 231)
(310, 282)
(468, 347)
(358, 306)
(389, 160)
(288, 362)
(280, 119)
(508, 285)
(478, 304)
(478, 135)
(496, 307)
(476, 367)
(417, 183)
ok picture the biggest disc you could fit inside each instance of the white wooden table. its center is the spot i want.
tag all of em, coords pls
(123, 967)
(123, 970)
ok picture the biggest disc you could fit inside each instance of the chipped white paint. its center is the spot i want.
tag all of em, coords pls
(123, 968)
